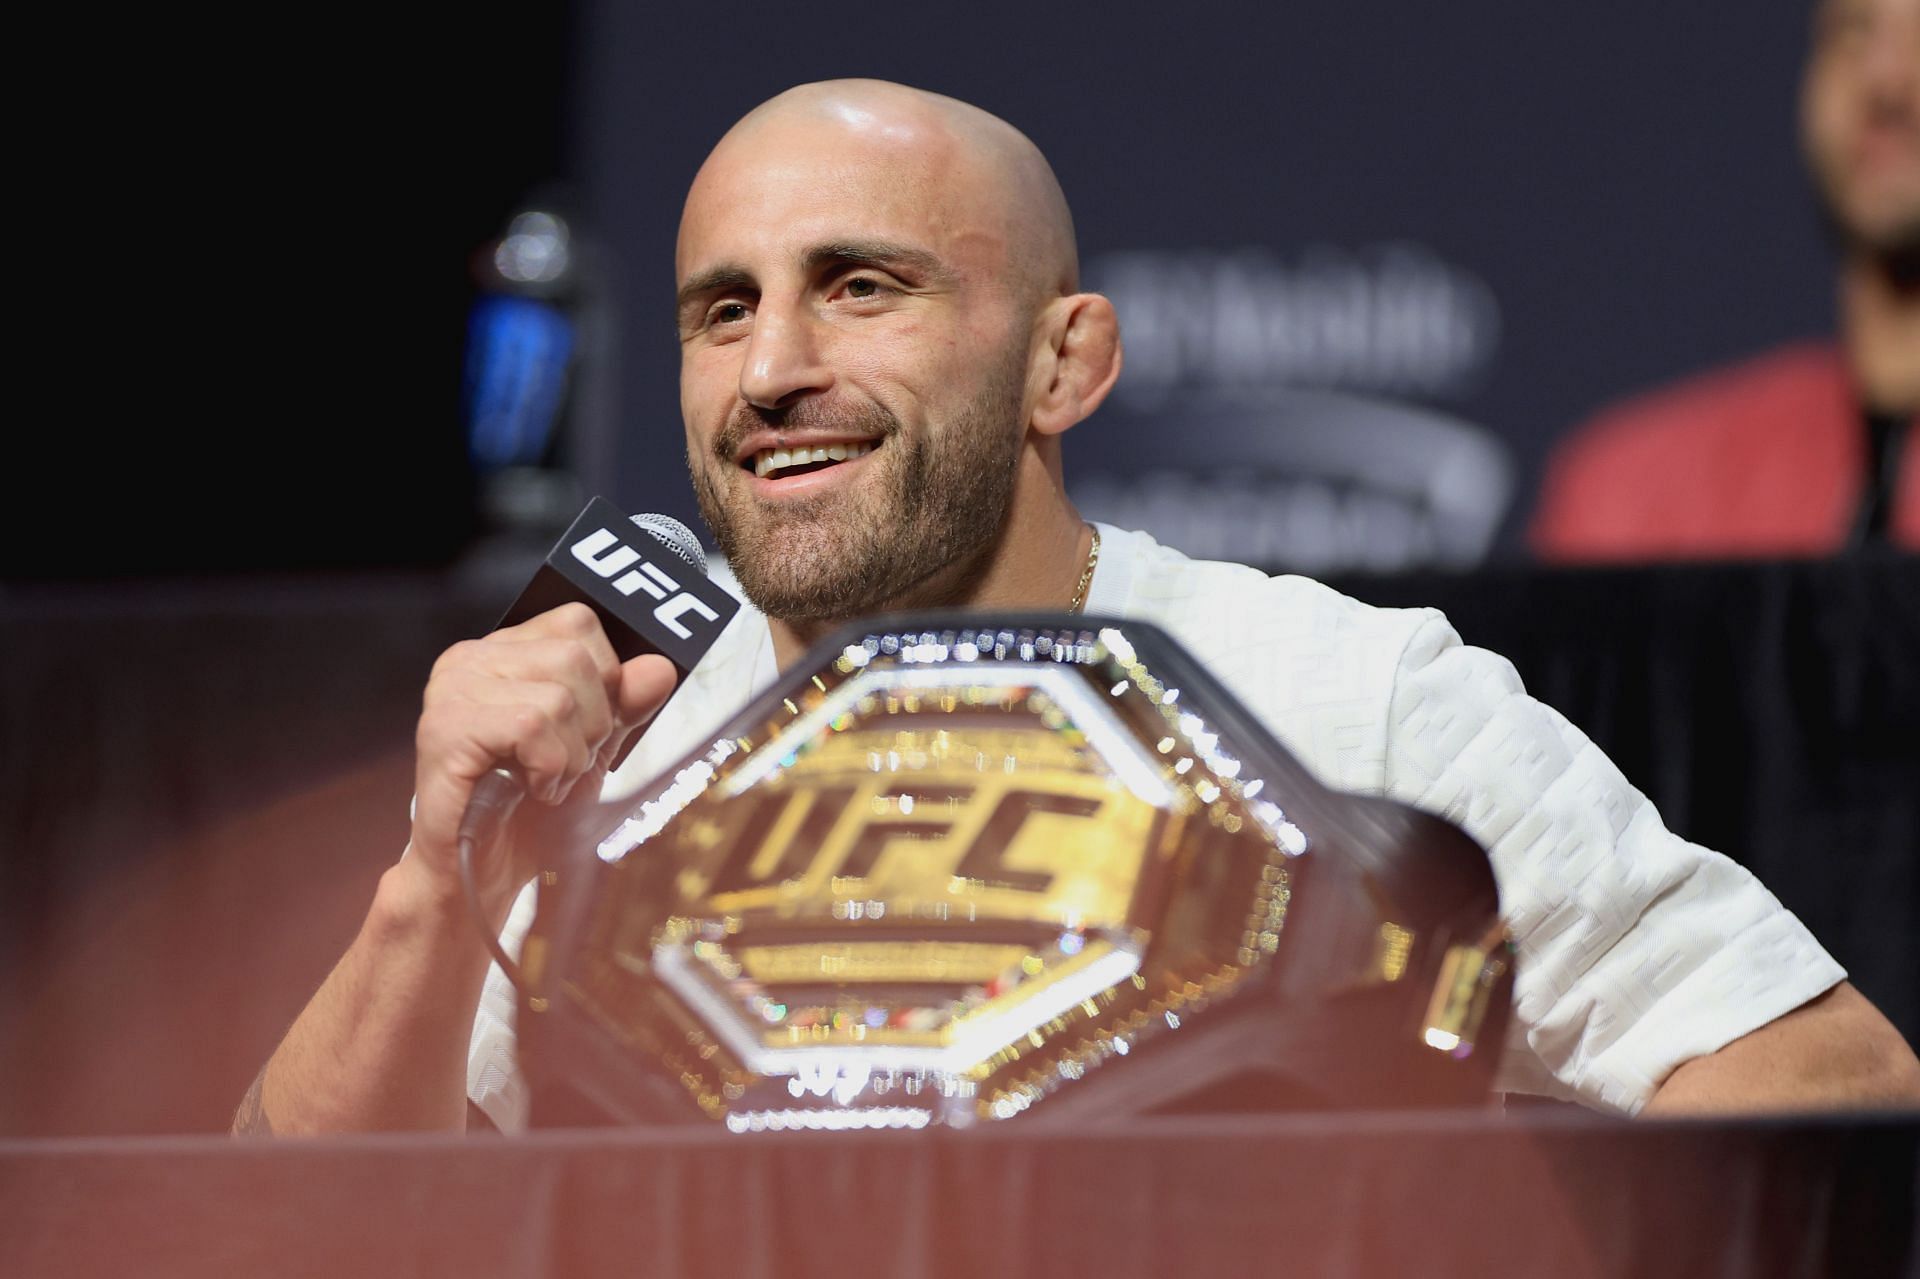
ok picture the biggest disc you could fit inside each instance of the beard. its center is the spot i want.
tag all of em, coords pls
(934, 500)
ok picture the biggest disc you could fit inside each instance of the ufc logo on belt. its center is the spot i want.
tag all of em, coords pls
(609, 557)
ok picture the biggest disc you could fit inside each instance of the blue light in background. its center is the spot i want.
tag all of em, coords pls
(518, 352)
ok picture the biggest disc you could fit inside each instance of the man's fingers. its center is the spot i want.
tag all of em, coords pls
(567, 621)
(547, 698)
(581, 704)
(568, 624)
(646, 683)
(467, 741)
(534, 657)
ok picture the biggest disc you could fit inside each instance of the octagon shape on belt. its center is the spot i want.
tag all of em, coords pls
(950, 869)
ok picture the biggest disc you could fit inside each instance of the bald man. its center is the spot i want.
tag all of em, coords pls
(882, 342)
(943, 329)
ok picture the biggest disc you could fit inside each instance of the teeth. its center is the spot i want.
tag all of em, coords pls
(767, 461)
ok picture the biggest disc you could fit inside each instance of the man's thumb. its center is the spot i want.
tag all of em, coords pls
(645, 684)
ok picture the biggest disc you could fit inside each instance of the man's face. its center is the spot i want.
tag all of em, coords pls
(854, 354)
(1860, 119)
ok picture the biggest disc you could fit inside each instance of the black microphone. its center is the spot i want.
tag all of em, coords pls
(646, 579)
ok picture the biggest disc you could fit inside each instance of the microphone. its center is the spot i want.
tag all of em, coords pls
(646, 579)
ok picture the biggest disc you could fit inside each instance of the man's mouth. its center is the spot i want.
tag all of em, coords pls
(781, 463)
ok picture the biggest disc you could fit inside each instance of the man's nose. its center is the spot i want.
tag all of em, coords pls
(783, 359)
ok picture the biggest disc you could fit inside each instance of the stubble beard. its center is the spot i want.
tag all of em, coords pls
(937, 502)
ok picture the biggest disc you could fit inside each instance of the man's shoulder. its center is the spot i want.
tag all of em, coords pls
(1680, 465)
(1237, 603)
(1317, 666)
(1724, 404)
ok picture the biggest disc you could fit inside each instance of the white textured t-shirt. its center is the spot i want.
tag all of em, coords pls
(1637, 949)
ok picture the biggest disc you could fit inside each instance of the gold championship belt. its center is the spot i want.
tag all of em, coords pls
(953, 870)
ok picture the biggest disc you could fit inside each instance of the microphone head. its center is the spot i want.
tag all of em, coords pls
(676, 536)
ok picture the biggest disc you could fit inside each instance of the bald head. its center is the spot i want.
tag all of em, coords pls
(986, 177)
(872, 271)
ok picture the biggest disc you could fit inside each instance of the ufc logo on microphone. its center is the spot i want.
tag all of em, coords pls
(604, 553)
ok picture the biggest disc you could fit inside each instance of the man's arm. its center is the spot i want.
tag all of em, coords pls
(1833, 1052)
(383, 1044)
(1641, 949)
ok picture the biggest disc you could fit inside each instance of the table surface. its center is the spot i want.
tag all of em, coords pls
(1340, 1194)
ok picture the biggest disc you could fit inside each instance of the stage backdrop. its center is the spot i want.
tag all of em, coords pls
(1500, 216)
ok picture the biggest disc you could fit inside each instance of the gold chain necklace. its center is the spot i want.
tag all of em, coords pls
(1086, 574)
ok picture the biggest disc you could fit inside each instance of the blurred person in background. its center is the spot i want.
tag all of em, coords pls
(1807, 449)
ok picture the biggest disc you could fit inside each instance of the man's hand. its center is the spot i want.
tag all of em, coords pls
(547, 699)
(1834, 1052)
(382, 1045)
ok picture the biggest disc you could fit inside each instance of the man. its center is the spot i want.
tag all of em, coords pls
(883, 341)
(1810, 448)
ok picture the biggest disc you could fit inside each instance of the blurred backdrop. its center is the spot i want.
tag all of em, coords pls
(286, 295)
(343, 324)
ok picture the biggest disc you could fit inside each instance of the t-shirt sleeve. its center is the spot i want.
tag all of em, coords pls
(1637, 950)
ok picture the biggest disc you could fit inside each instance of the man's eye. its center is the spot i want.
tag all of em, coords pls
(727, 313)
(862, 287)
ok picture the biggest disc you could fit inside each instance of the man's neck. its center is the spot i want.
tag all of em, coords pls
(1880, 322)
(1036, 564)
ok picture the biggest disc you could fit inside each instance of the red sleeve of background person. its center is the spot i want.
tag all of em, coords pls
(1759, 459)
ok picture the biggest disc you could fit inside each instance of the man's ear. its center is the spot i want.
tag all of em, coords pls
(1083, 339)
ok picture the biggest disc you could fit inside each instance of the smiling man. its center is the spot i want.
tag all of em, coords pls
(939, 339)
(882, 344)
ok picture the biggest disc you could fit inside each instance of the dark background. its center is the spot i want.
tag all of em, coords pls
(256, 260)
(1624, 181)
(240, 523)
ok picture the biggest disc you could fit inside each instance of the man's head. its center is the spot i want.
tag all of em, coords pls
(886, 275)
(1860, 122)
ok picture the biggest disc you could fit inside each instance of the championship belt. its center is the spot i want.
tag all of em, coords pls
(955, 869)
